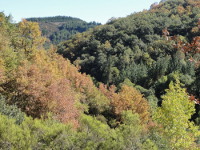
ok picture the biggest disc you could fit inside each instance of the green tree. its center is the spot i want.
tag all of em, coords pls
(12, 136)
(174, 115)
(11, 111)
(93, 134)
(131, 130)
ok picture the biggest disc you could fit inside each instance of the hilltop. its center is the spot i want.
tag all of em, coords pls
(61, 28)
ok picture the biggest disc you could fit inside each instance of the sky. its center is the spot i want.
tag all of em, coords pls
(88, 10)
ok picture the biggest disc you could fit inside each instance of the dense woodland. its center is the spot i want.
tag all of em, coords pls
(130, 84)
(60, 28)
(147, 50)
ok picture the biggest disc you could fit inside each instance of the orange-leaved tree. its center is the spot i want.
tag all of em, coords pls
(39, 89)
(128, 98)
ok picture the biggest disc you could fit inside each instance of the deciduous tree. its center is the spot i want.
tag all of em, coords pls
(174, 115)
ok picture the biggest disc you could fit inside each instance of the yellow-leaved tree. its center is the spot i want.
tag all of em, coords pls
(174, 115)
(28, 37)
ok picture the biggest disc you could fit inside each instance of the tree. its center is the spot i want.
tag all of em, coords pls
(131, 130)
(40, 87)
(11, 111)
(174, 115)
(93, 134)
(29, 36)
(12, 135)
(130, 99)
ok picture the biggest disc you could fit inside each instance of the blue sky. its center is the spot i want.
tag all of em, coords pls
(88, 10)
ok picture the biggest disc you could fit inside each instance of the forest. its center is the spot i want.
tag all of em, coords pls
(61, 28)
(132, 83)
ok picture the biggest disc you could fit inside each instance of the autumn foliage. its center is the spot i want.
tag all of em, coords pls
(128, 98)
(42, 82)
(114, 94)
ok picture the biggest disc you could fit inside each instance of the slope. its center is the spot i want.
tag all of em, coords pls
(147, 50)
(133, 47)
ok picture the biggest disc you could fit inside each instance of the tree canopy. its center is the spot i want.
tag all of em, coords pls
(61, 28)
(130, 84)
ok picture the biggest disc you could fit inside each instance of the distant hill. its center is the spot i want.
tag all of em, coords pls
(61, 28)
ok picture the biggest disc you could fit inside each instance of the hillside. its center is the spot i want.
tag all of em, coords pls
(148, 48)
(143, 93)
(61, 28)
